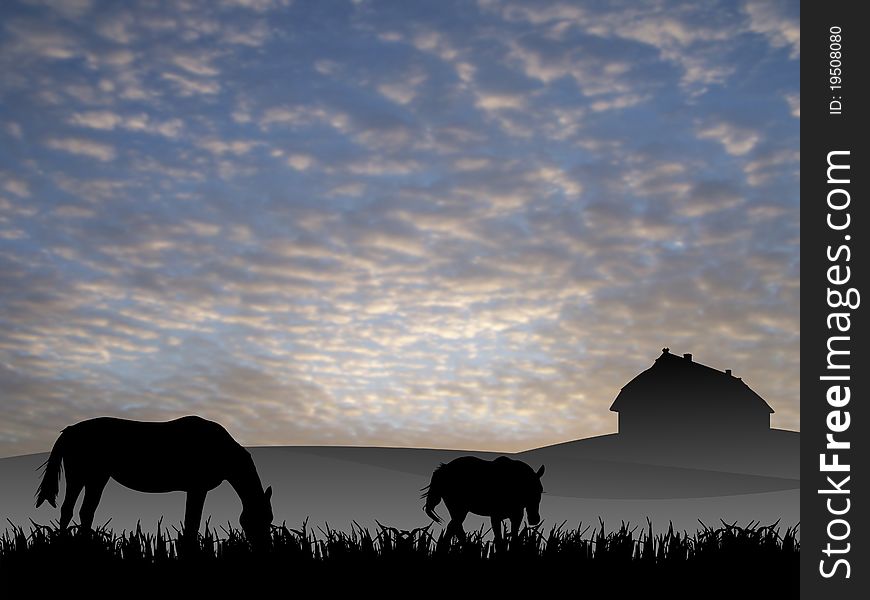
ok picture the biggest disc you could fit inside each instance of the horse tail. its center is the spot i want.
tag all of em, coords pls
(51, 476)
(433, 493)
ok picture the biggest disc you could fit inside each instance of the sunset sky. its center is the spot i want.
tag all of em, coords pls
(431, 223)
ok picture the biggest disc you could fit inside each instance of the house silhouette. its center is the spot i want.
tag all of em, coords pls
(680, 398)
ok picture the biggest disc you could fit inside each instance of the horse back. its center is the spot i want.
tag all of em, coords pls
(154, 456)
(493, 488)
(179, 434)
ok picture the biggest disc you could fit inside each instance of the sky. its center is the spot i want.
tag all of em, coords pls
(432, 223)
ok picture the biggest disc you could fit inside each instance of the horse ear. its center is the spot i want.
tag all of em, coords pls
(268, 492)
(540, 472)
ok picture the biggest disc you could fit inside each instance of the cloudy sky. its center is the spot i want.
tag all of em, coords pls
(451, 224)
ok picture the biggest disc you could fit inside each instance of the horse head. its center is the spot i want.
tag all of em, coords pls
(533, 496)
(256, 519)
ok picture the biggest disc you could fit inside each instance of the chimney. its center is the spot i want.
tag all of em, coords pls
(688, 357)
(728, 371)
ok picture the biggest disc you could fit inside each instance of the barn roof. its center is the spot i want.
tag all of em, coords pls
(680, 382)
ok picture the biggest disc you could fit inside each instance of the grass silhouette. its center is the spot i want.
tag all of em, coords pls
(753, 555)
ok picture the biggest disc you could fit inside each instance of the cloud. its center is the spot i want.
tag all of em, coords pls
(404, 91)
(117, 27)
(221, 147)
(96, 119)
(304, 115)
(683, 35)
(466, 229)
(14, 185)
(30, 39)
(197, 65)
(107, 121)
(548, 62)
(71, 9)
(187, 86)
(15, 130)
(794, 104)
(259, 6)
(255, 35)
(472, 163)
(771, 163)
(381, 166)
(434, 42)
(778, 21)
(495, 102)
(300, 162)
(706, 197)
(617, 103)
(737, 140)
(83, 147)
(348, 189)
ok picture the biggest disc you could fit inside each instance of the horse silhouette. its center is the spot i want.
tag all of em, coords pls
(189, 454)
(499, 489)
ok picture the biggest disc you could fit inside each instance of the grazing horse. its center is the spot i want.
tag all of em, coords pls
(500, 489)
(188, 454)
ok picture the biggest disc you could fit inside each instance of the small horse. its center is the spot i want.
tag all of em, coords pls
(500, 489)
(189, 454)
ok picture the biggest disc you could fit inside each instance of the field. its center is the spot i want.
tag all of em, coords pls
(752, 558)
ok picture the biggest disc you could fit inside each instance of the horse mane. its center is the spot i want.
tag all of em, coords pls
(439, 469)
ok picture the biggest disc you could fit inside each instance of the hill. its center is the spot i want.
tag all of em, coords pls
(585, 479)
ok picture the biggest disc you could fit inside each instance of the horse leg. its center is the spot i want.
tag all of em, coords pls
(193, 515)
(93, 492)
(497, 532)
(73, 489)
(496, 529)
(516, 521)
(454, 527)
